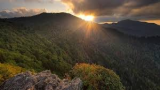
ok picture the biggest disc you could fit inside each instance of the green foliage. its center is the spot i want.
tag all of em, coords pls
(7, 71)
(27, 49)
(96, 77)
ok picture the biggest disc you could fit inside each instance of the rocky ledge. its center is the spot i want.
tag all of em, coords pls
(41, 81)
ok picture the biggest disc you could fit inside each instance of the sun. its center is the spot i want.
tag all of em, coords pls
(86, 17)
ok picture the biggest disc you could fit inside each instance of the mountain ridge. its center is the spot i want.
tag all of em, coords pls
(136, 28)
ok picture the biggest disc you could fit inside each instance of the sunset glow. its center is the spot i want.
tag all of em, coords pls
(152, 21)
(86, 17)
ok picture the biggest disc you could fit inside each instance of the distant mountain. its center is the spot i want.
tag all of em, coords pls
(62, 18)
(136, 28)
(57, 41)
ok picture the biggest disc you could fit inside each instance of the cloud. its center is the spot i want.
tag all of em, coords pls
(31, 1)
(50, 1)
(116, 8)
(98, 7)
(150, 11)
(20, 12)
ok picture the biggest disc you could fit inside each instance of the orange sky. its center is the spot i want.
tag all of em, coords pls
(152, 21)
(149, 21)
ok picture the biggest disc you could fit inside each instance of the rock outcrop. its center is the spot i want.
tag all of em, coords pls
(41, 81)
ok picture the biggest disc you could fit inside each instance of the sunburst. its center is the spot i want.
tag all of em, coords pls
(86, 17)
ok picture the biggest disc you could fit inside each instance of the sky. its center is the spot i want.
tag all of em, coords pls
(103, 10)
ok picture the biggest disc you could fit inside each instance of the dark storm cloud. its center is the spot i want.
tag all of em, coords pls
(116, 8)
(140, 3)
(20, 12)
(150, 11)
(93, 6)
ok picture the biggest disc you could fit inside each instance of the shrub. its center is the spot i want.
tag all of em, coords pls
(96, 77)
(7, 71)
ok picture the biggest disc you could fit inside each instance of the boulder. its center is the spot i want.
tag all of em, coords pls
(41, 81)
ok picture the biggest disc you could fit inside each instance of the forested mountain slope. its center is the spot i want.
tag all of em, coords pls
(59, 41)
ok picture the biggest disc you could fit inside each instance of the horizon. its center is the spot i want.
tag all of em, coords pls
(102, 10)
(154, 22)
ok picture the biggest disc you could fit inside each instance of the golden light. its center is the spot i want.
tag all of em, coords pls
(87, 17)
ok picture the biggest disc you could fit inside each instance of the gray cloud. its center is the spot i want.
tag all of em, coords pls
(147, 11)
(30, 1)
(20, 12)
(50, 1)
(93, 6)
(139, 9)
